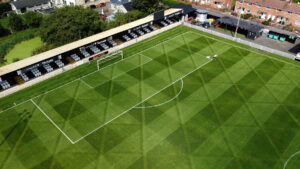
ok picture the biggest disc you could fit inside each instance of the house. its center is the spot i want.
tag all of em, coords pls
(278, 11)
(61, 3)
(21, 6)
(123, 6)
(214, 4)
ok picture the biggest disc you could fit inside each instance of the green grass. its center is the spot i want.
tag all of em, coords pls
(239, 111)
(10, 37)
(23, 50)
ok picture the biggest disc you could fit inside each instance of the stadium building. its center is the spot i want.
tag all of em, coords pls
(24, 73)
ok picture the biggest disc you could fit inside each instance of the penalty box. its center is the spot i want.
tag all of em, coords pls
(87, 104)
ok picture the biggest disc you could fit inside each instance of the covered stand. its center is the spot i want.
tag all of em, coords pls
(251, 30)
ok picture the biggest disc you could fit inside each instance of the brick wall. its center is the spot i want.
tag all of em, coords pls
(265, 13)
(216, 4)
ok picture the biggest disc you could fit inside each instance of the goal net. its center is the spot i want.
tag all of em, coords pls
(109, 59)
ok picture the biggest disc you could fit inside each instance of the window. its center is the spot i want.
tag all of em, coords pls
(290, 12)
(248, 10)
(240, 1)
(297, 22)
(268, 8)
(279, 10)
(287, 19)
(249, 3)
(217, 3)
(258, 5)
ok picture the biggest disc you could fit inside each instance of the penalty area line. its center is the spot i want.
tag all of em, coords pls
(51, 90)
(40, 109)
(106, 123)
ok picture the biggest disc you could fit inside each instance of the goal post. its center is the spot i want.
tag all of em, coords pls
(112, 57)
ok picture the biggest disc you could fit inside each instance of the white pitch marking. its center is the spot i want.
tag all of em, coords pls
(51, 121)
(114, 77)
(157, 105)
(292, 156)
(86, 84)
(92, 72)
(145, 56)
(91, 132)
(280, 60)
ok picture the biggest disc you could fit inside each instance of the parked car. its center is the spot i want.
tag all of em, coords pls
(101, 5)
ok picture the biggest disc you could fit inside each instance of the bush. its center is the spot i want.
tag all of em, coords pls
(4, 8)
(121, 18)
(42, 49)
(267, 22)
(3, 31)
(289, 28)
(173, 2)
(246, 16)
(15, 59)
(15, 22)
(148, 6)
(33, 19)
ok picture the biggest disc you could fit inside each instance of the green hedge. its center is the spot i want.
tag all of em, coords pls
(174, 2)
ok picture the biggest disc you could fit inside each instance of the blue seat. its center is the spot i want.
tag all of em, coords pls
(276, 37)
(271, 36)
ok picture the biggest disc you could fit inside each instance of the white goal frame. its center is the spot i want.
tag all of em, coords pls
(109, 57)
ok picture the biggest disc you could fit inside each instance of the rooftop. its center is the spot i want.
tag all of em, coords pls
(119, 2)
(28, 3)
(186, 9)
(243, 24)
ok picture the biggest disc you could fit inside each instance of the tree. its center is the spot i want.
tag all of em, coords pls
(69, 24)
(4, 8)
(121, 18)
(2, 31)
(15, 22)
(33, 19)
(148, 6)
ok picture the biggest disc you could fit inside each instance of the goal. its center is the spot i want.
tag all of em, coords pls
(109, 59)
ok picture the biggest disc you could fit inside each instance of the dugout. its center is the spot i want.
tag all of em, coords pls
(71, 55)
(250, 30)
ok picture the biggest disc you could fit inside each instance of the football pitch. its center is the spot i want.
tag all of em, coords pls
(168, 104)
